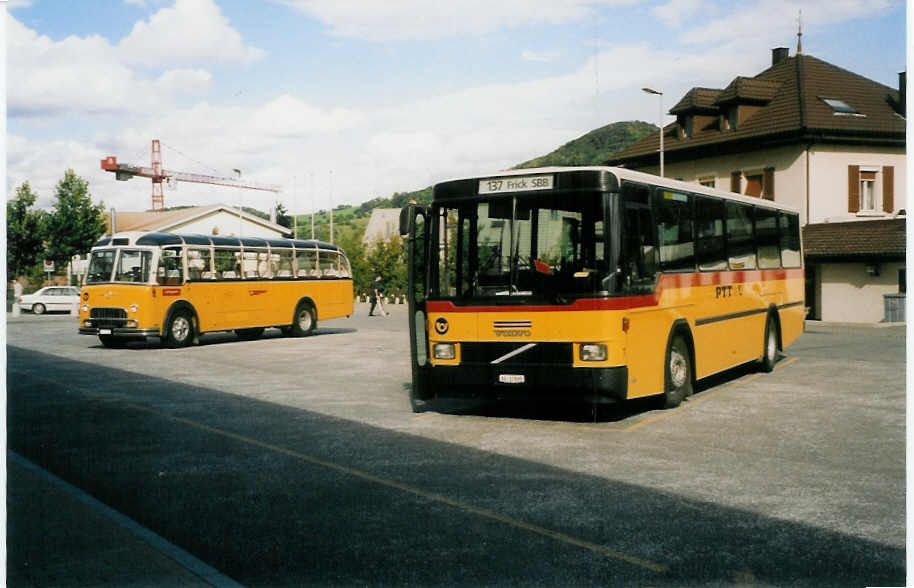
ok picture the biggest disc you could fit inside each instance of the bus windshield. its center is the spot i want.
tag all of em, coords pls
(126, 265)
(547, 249)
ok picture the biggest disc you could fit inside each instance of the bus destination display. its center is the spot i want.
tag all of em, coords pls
(515, 184)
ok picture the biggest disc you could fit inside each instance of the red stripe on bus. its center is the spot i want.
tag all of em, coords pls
(667, 281)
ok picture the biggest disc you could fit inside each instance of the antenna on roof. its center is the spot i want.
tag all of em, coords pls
(800, 32)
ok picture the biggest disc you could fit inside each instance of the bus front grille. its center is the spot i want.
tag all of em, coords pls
(108, 317)
(506, 354)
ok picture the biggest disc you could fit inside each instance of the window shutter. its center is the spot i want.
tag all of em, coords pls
(768, 184)
(853, 188)
(735, 178)
(888, 188)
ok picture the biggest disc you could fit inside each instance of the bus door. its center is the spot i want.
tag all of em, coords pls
(647, 332)
(414, 227)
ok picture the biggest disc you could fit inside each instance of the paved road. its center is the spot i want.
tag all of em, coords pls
(298, 462)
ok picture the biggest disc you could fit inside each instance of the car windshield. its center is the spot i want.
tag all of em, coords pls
(543, 249)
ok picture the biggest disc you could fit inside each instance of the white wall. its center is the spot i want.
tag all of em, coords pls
(828, 179)
(227, 225)
(850, 295)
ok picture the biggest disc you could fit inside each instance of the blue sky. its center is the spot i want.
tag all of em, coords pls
(339, 102)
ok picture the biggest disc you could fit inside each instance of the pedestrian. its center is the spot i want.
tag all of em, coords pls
(17, 290)
(377, 293)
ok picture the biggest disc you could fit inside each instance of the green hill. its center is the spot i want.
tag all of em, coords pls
(596, 147)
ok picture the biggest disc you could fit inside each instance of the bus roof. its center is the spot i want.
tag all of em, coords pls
(594, 177)
(162, 239)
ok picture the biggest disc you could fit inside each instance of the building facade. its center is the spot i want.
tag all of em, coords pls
(826, 141)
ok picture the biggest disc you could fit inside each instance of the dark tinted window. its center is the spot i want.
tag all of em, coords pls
(766, 238)
(674, 230)
(709, 234)
(740, 236)
(790, 239)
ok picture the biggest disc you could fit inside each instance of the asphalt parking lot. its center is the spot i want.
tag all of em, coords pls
(298, 462)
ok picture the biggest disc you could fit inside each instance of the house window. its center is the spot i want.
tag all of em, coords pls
(709, 181)
(840, 107)
(754, 184)
(867, 191)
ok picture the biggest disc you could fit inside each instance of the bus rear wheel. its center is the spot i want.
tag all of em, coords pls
(303, 322)
(678, 376)
(180, 330)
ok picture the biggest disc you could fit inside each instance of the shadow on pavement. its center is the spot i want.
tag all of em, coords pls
(272, 495)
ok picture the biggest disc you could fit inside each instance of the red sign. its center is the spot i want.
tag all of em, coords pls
(171, 291)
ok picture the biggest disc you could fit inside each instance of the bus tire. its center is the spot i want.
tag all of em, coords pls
(677, 372)
(303, 321)
(180, 330)
(770, 349)
(249, 334)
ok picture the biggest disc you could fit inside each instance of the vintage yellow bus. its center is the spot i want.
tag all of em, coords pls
(178, 287)
(597, 283)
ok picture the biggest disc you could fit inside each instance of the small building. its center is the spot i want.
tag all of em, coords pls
(206, 220)
(814, 136)
(383, 224)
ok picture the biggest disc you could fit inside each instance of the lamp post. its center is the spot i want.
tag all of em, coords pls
(240, 204)
(660, 121)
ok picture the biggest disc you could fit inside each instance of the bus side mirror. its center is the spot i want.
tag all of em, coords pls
(404, 220)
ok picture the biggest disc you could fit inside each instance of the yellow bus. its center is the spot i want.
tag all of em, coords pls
(178, 287)
(596, 283)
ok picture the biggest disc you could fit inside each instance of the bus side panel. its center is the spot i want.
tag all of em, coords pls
(645, 349)
(793, 316)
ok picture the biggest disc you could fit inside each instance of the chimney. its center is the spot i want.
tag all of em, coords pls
(902, 93)
(779, 55)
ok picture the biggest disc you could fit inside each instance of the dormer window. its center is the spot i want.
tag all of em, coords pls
(840, 107)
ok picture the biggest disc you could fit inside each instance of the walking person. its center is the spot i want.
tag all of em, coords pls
(377, 293)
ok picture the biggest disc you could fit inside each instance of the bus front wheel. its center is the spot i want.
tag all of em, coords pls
(180, 331)
(303, 322)
(678, 378)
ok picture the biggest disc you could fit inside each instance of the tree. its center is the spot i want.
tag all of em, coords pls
(75, 224)
(23, 231)
(388, 258)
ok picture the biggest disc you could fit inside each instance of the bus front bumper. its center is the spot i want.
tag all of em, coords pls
(592, 385)
(119, 331)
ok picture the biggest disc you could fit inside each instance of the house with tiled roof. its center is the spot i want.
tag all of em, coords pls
(206, 220)
(814, 136)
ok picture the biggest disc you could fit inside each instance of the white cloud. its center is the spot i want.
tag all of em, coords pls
(190, 32)
(541, 56)
(417, 19)
(766, 19)
(674, 12)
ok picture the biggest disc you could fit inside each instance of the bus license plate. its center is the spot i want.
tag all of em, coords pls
(511, 378)
(104, 331)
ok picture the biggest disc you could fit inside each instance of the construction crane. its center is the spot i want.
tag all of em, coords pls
(124, 171)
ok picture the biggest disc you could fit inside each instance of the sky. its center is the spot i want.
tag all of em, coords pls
(341, 101)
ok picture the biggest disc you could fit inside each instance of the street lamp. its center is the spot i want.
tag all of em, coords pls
(240, 204)
(660, 120)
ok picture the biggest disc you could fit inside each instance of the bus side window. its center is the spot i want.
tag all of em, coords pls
(740, 236)
(709, 234)
(766, 238)
(674, 230)
(171, 267)
(790, 239)
(639, 248)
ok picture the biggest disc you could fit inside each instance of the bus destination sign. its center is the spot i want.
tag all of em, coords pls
(515, 184)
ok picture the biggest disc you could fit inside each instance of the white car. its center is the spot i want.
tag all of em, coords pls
(50, 298)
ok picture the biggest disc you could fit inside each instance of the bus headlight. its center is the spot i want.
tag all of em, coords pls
(85, 308)
(444, 351)
(593, 352)
(133, 308)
